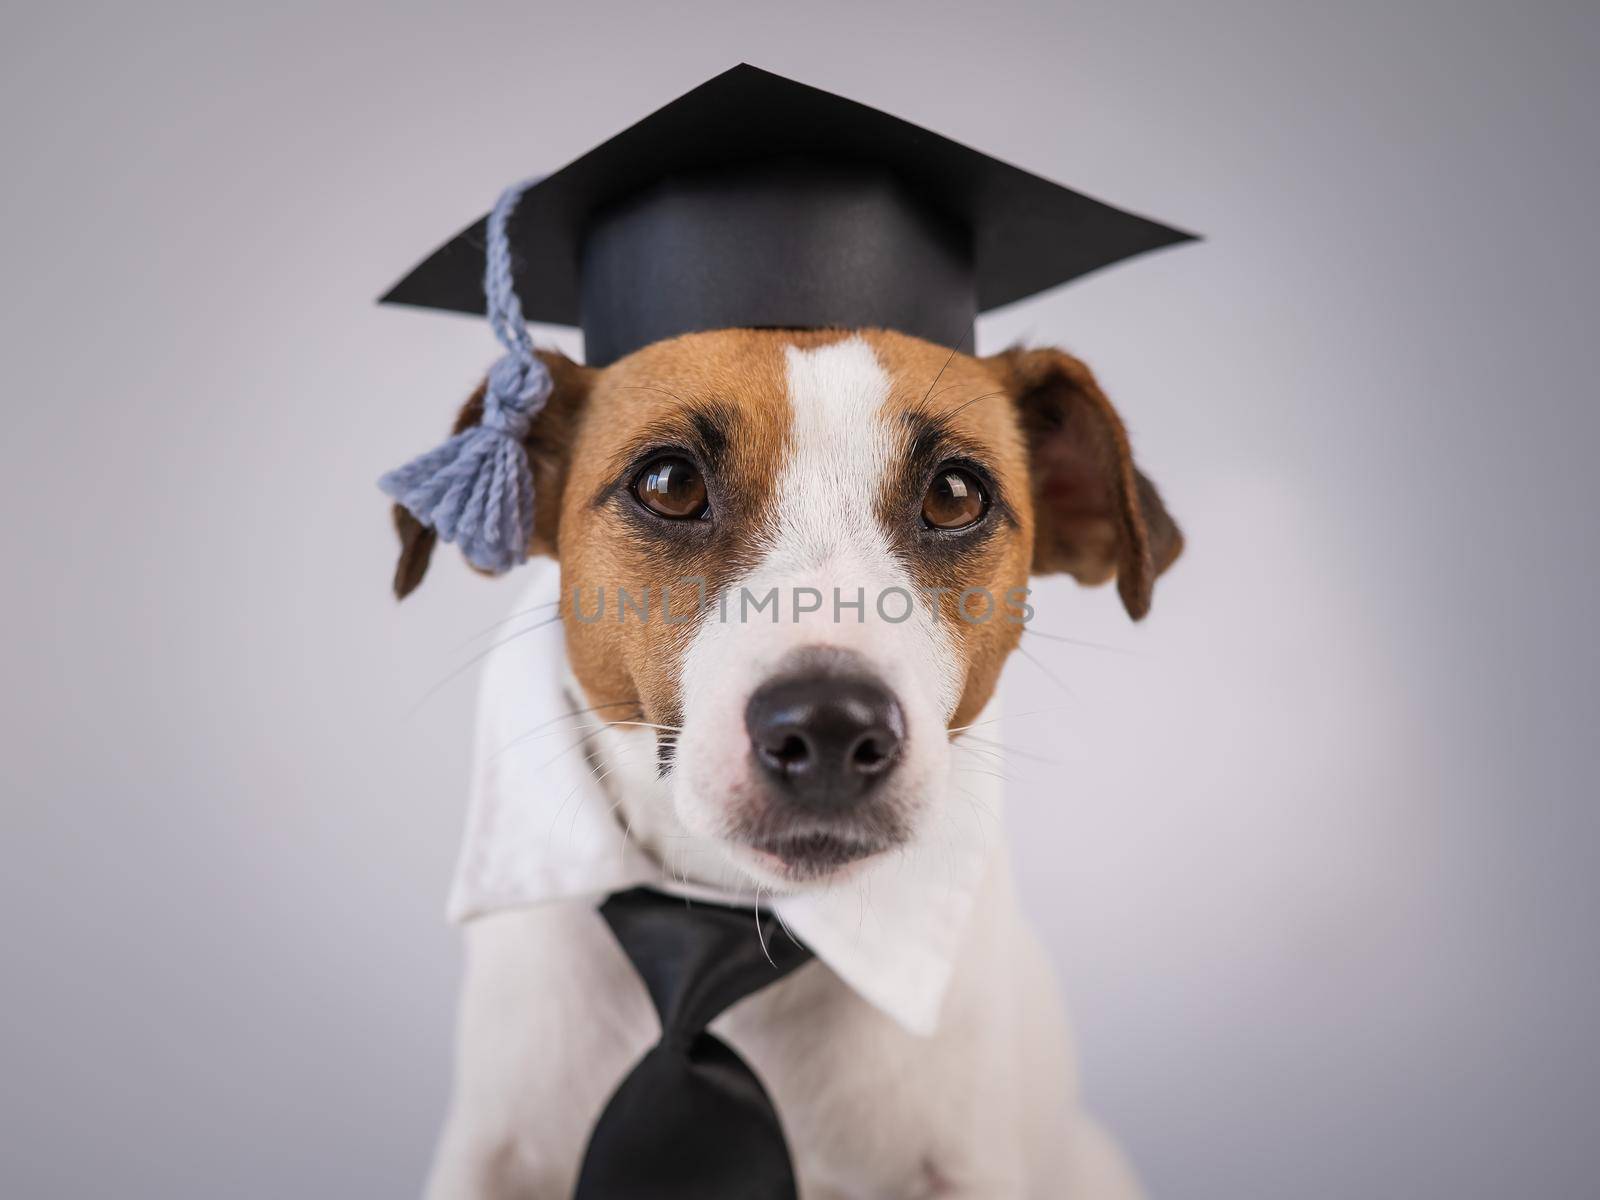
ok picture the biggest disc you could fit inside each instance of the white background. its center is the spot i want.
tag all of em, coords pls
(1317, 864)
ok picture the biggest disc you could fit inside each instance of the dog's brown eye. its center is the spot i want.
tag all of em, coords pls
(955, 500)
(671, 487)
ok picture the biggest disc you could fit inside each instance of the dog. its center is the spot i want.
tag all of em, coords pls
(797, 751)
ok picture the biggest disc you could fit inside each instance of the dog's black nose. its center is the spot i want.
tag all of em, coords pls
(823, 739)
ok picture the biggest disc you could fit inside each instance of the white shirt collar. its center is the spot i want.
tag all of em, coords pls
(540, 828)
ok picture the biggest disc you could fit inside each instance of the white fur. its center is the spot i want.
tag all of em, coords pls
(828, 539)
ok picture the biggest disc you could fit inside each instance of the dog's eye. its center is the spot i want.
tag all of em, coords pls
(671, 487)
(955, 499)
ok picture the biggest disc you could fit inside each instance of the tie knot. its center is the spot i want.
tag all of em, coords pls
(698, 960)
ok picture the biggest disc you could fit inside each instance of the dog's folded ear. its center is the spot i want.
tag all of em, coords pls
(1096, 515)
(546, 441)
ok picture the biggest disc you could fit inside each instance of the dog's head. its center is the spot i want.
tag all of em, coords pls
(793, 562)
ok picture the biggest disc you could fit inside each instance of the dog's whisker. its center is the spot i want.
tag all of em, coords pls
(761, 934)
(587, 734)
(1048, 673)
(991, 762)
(627, 829)
(1004, 778)
(478, 658)
(644, 387)
(960, 408)
(1030, 631)
(566, 716)
(572, 824)
(942, 368)
(990, 757)
(983, 751)
(977, 812)
(947, 845)
(983, 756)
(1005, 747)
(951, 388)
(561, 808)
(680, 873)
(488, 629)
(980, 767)
(612, 812)
(1032, 712)
(991, 767)
(597, 780)
(980, 739)
(567, 800)
(784, 925)
(582, 741)
(982, 810)
(532, 736)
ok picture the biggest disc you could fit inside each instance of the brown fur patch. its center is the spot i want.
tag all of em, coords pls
(648, 402)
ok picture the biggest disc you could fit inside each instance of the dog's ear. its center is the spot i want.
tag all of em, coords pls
(548, 438)
(1096, 515)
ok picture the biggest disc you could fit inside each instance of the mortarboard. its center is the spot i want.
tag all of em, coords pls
(750, 201)
(754, 200)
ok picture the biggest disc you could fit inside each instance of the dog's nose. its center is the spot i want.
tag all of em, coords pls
(825, 740)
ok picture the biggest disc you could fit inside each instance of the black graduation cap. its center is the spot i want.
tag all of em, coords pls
(754, 200)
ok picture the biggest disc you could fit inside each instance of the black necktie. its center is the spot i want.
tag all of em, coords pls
(692, 1120)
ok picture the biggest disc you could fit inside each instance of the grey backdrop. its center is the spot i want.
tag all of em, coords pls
(1315, 856)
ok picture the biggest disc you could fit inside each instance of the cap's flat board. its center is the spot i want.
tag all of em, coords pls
(1028, 233)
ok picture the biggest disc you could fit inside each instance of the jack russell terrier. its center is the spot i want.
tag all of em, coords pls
(805, 752)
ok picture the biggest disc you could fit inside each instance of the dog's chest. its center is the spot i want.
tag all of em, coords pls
(869, 1109)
